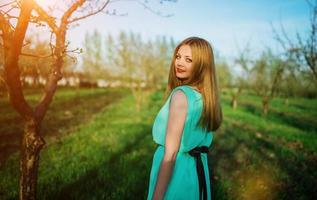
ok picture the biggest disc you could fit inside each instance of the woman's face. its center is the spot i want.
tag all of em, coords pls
(183, 62)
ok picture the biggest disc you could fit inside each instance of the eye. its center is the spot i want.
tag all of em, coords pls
(188, 60)
(177, 56)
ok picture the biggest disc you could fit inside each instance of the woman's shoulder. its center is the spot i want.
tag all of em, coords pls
(185, 88)
(179, 98)
(181, 92)
(189, 91)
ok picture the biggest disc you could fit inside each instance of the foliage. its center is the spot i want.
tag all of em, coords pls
(128, 57)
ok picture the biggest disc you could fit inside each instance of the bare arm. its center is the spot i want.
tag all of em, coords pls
(175, 125)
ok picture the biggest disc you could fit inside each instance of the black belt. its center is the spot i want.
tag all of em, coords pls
(195, 152)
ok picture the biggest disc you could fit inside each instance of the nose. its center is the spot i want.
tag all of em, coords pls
(180, 63)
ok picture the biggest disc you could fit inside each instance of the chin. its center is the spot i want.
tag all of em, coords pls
(182, 77)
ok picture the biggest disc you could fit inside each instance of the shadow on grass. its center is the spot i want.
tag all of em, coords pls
(304, 107)
(223, 163)
(61, 116)
(299, 167)
(123, 176)
(259, 168)
(289, 119)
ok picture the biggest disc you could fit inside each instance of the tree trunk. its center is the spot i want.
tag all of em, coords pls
(32, 144)
(234, 102)
(138, 96)
(286, 101)
(265, 104)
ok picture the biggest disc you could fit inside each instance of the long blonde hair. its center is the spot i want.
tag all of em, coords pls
(204, 77)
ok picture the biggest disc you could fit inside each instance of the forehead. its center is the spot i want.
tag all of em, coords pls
(185, 50)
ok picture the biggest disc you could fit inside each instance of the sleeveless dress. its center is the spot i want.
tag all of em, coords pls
(183, 183)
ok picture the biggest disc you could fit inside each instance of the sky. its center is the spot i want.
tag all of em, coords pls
(227, 24)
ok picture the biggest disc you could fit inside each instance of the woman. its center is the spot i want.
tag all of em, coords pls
(183, 127)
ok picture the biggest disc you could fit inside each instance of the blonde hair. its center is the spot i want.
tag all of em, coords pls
(204, 77)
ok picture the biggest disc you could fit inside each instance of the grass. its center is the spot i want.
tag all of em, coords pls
(99, 147)
(98, 159)
(266, 157)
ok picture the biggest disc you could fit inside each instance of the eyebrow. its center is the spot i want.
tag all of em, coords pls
(185, 56)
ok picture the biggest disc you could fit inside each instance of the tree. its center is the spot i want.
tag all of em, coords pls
(143, 65)
(140, 65)
(2, 86)
(241, 81)
(13, 38)
(224, 74)
(163, 56)
(303, 49)
(36, 65)
(93, 59)
(267, 76)
(289, 82)
(12, 41)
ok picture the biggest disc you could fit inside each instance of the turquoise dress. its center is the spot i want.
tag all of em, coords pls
(183, 183)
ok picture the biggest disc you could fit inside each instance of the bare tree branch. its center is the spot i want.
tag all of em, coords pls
(144, 4)
(77, 50)
(44, 16)
(309, 3)
(153, 11)
(52, 47)
(279, 39)
(90, 14)
(277, 77)
(35, 56)
(10, 9)
(114, 13)
(73, 58)
(7, 4)
(58, 54)
(12, 74)
(71, 10)
(304, 50)
(5, 27)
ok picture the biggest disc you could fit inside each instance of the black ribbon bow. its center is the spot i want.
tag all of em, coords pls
(196, 153)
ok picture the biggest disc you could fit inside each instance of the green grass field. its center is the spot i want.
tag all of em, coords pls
(99, 147)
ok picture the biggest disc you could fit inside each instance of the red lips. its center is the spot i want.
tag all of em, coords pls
(180, 70)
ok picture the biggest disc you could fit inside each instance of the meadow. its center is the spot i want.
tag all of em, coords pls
(100, 147)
